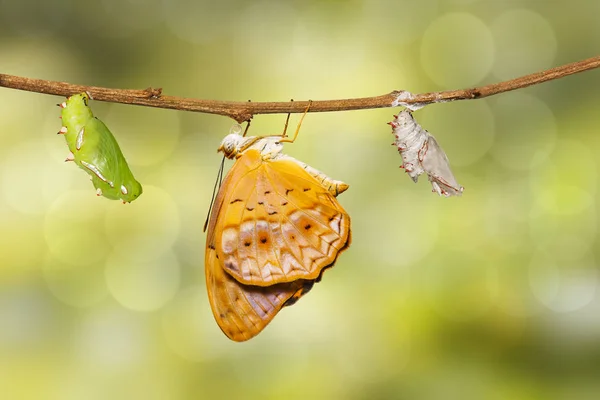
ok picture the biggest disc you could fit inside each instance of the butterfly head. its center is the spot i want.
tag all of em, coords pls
(230, 145)
(235, 144)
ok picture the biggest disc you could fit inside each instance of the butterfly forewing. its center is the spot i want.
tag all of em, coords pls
(289, 227)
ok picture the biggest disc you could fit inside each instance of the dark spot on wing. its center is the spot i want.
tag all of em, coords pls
(284, 203)
(263, 239)
(249, 208)
(307, 226)
(267, 191)
(306, 189)
(288, 190)
(235, 201)
(231, 265)
(272, 213)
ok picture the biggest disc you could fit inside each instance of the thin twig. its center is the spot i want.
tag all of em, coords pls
(507, 86)
(243, 111)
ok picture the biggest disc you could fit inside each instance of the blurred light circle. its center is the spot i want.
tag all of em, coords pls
(465, 131)
(405, 242)
(146, 228)
(26, 317)
(317, 322)
(571, 164)
(73, 228)
(458, 284)
(190, 186)
(147, 136)
(32, 180)
(562, 199)
(150, 381)
(111, 339)
(190, 329)
(407, 19)
(525, 43)
(548, 230)
(525, 131)
(317, 318)
(460, 219)
(21, 111)
(457, 50)
(23, 243)
(507, 213)
(188, 177)
(202, 22)
(81, 286)
(564, 209)
(310, 40)
(273, 34)
(513, 291)
(563, 286)
(142, 286)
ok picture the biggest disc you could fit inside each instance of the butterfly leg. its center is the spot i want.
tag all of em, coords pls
(288, 140)
(287, 120)
(246, 130)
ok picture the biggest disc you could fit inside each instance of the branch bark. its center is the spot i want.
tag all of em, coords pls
(243, 111)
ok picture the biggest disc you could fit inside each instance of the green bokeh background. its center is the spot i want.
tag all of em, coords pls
(490, 296)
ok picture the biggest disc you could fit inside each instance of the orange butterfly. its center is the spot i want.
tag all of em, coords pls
(275, 227)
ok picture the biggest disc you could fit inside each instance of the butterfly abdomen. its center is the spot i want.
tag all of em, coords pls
(333, 186)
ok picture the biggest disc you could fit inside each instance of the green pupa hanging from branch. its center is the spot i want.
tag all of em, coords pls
(95, 150)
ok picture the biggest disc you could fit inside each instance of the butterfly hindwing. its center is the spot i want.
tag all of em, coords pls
(243, 311)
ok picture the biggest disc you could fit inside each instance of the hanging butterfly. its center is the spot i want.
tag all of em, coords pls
(276, 226)
(95, 150)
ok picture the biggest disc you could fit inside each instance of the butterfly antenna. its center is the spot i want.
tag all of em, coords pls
(285, 139)
(214, 194)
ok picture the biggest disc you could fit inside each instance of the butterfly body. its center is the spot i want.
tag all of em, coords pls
(95, 150)
(276, 226)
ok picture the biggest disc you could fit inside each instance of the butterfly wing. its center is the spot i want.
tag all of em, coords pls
(243, 311)
(272, 232)
(436, 164)
(279, 224)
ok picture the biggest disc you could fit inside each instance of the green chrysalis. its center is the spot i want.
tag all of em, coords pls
(95, 150)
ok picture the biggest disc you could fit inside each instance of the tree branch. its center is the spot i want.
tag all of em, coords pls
(243, 111)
